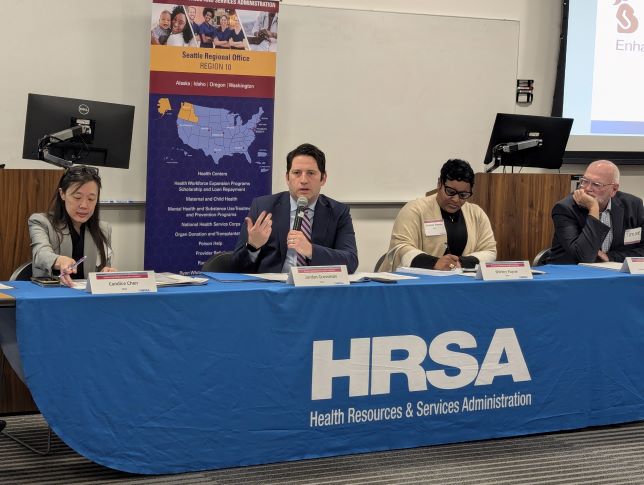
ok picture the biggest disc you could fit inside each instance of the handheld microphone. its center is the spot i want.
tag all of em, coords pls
(302, 202)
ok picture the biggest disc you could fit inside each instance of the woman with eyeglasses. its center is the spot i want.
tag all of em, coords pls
(72, 229)
(442, 231)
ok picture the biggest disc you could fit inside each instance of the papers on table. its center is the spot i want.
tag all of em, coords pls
(280, 277)
(612, 265)
(5, 287)
(429, 272)
(79, 284)
(162, 280)
(360, 277)
(173, 279)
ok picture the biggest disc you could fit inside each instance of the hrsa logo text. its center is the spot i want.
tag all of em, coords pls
(627, 22)
(370, 363)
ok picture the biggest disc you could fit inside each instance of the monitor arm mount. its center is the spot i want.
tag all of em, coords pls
(510, 147)
(48, 140)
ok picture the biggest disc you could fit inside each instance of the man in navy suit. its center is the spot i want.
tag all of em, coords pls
(597, 222)
(267, 244)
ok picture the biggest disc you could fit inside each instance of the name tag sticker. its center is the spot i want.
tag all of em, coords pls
(633, 236)
(121, 282)
(633, 265)
(435, 228)
(318, 275)
(504, 270)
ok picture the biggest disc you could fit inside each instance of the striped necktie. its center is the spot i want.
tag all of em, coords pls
(604, 217)
(306, 230)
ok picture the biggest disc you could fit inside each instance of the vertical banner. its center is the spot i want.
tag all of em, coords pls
(210, 129)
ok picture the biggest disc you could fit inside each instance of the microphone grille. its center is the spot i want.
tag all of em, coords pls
(302, 202)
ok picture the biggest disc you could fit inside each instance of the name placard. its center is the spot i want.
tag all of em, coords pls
(633, 265)
(504, 270)
(121, 282)
(318, 275)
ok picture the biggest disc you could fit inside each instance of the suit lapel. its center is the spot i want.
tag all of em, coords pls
(617, 222)
(281, 220)
(66, 242)
(320, 221)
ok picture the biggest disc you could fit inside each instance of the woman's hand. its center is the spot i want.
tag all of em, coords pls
(62, 264)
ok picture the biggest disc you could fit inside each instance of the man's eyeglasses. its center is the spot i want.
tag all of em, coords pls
(451, 192)
(584, 182)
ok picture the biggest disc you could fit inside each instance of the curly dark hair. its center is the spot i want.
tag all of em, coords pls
(457, 169)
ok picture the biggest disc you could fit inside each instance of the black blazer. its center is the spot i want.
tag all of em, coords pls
(333, 237)
(579, 237)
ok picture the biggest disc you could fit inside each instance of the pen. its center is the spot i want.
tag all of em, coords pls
(71, 268)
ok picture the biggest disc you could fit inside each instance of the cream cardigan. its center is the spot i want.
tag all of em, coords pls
(408, 238)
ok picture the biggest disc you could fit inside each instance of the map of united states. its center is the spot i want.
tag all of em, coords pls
(216, 131)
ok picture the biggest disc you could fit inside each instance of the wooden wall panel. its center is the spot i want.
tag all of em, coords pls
(22, 192)
(519, 207)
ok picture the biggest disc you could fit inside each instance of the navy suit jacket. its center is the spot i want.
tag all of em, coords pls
(333, 237)
(579, 237)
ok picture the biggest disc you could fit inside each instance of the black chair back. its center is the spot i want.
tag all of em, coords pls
(380, 260)
(219, 263)
(22, 272)
(541, 258)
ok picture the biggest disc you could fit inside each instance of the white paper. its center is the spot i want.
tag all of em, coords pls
(613, 265)
(358, 277)
(173, 279)
(283, 277)
(429, 272)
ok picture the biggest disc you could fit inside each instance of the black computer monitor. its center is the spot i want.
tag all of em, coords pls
(527, 141)
(106, 143)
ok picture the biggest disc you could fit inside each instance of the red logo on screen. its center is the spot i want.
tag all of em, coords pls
(627, 22)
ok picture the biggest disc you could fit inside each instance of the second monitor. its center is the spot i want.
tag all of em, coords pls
(527, 141)
(106, 135)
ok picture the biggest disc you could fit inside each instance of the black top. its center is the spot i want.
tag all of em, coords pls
(78, 249)
(456, 241)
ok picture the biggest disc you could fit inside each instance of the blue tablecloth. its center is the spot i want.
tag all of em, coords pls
(222, 375)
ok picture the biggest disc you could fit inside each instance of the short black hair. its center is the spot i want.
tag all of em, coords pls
(311, 151)
(457, 169)
(208, 9)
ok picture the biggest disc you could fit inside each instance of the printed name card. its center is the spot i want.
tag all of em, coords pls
(318, 275)
(633, 265)
(121, 282)
(504, 270)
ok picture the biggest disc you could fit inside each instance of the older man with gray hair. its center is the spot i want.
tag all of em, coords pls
(597, 222)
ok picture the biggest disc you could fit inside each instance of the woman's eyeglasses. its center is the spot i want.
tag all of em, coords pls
(451, 192)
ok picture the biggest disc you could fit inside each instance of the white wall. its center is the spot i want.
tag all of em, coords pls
(538, 50)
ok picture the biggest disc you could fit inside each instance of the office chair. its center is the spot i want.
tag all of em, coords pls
(220, 263)
(22, 272)
(4, 432)
(541, 258)
(380, 260)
